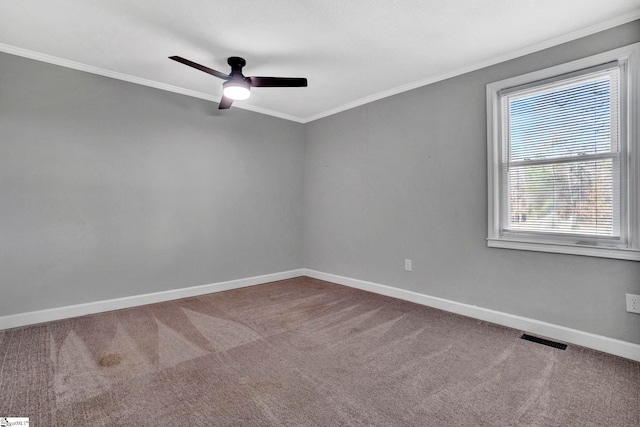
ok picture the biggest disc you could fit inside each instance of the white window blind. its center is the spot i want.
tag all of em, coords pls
(563, 157)
(560, 156)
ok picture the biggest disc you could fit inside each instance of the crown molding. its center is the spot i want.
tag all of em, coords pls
(25, 53)
(602, 26)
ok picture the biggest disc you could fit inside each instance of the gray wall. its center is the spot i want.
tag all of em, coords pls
(110, 189)
(406, 177)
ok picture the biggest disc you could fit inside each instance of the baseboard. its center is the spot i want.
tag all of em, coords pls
(34, 317)
(560, 333)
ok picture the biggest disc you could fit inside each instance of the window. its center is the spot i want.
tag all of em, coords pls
(563, 158)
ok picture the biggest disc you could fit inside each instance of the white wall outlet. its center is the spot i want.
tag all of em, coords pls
(407, 265)
(633, 303)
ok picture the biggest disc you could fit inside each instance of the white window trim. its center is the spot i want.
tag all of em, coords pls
(630, 54)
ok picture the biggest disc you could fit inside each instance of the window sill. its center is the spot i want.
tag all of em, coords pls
(601, 252)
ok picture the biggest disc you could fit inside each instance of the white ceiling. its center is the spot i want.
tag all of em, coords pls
(351, 51)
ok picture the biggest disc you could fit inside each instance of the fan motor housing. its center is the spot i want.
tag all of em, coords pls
(236, 63)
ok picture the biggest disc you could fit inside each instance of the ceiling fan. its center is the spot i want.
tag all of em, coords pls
(237, 86)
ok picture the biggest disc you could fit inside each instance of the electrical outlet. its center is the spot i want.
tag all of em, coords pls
(633, 303)
(407, 265)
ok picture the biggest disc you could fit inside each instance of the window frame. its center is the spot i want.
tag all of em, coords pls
(629, 112)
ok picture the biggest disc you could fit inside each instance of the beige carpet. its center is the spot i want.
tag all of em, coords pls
(303, 352)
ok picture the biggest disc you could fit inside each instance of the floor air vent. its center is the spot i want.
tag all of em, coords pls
(543, 341)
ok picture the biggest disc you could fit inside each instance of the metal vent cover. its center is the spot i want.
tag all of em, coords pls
(544, 341)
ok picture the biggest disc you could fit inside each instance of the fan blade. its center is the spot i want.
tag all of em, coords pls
(277, 81)
(225, 103)
(208, 70)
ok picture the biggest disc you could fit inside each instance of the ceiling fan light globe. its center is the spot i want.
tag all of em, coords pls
(236, 90)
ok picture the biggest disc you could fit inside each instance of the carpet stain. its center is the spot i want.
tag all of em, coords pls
(110, 360)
